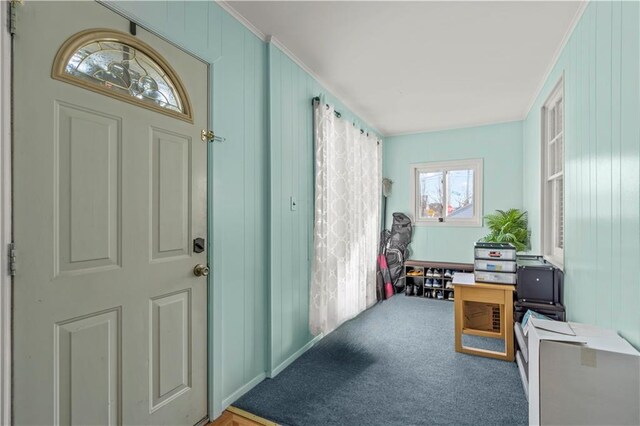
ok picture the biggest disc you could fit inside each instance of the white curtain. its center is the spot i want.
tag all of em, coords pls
(348, 180)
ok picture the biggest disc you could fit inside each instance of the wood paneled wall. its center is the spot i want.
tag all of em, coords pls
(601, 68)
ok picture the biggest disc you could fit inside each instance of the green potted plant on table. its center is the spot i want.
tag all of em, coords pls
(509, 226)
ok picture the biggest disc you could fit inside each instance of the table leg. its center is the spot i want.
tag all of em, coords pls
(508, 304)
(459, 317)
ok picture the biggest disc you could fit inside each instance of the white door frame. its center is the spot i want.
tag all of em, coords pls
(5, 214)
(6, 235)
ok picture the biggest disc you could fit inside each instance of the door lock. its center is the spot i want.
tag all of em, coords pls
(198, 245)
(201, 270)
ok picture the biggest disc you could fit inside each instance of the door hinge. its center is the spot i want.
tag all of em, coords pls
(13, 4)
(209, 136)
(12, 259)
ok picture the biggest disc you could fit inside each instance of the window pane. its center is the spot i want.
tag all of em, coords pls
(551, 117)
(430, 195)
(551, 160)
(559, 153)
(559, 212)
(559, 116)
(124, 69)
(460, 194)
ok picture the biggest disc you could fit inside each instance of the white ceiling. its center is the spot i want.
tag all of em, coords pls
(406, 67)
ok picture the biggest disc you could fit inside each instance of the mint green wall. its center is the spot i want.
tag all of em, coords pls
(259, 249)
(500, 145)
(291, 127)
(601, 66)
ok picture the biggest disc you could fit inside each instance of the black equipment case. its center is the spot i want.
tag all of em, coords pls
(538, 281)
(555, 312)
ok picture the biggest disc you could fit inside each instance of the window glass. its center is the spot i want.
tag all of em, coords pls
(124, 69)
(460, 194)
(448, 192)
(430, 195)
(552, 206)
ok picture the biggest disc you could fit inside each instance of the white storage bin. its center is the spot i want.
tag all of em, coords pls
(495, 277)
(495, 253)
(495, 265)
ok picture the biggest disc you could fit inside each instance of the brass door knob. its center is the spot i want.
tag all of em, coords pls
(201, 270)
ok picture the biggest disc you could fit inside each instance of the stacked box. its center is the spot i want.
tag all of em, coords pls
(495, 263)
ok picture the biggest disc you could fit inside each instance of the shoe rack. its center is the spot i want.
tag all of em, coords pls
(432, 279)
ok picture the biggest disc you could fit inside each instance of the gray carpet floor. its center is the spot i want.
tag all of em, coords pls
(394, 364)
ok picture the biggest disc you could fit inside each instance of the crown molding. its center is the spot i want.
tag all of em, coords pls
(468, 125)
(244, 21)
(271, 39)
(556, 55)
(277, 43)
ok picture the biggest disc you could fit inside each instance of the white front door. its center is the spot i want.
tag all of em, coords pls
(109, 196)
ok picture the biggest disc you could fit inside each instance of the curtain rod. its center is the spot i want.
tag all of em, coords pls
(317, 99)
(338, 114)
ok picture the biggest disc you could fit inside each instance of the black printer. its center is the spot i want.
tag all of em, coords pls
(538, 281)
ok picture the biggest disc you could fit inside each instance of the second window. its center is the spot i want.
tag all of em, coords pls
(447, 192)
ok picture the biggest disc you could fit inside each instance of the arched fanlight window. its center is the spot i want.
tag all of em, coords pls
(121, 66)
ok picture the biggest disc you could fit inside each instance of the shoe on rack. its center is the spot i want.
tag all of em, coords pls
(437, 284)
(449, 285)
(450, 295)
(448, 274)
(429, 273)
(428, 282)
(434, 293)
(441, 295)
(408, 290)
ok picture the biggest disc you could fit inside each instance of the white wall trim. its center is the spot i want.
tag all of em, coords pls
(244, 21)
(268, 38)
(5, 215)
(272, 39)
(556, 55)
(244, 389)
(287, 362)
(449, 128)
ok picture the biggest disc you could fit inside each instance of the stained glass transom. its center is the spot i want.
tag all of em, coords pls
(124, 69)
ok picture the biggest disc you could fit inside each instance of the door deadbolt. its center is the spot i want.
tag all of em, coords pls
(201, 270)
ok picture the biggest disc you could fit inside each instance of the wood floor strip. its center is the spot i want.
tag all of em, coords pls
(237, 417)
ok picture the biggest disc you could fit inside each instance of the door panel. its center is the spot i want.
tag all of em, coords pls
(109, 319)
(87, 369)
(88, 173)
(170, 348)
(171, 204)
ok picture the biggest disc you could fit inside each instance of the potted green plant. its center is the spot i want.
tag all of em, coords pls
(509, 226)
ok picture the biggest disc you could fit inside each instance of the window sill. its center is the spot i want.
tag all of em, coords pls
(436, 224)
(555, 261)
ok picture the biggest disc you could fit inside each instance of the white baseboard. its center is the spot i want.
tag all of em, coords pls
(287, 362)
(244, 389)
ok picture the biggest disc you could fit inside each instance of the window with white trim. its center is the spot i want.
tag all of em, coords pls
(447, 193)
(552, 173)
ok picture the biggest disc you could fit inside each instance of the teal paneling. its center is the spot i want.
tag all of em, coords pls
(601, 66)
(628, 309)
(194, 25)
(500, 145)
(291, 163)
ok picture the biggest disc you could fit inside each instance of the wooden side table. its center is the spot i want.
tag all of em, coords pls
(476, 313)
